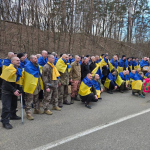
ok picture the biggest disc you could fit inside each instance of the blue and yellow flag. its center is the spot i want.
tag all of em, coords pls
(31, 76)
(12, 74)
(55, 73)
(109, 79)
(119, 80)
(98, 71)
(113, 64)
(42, 62)
(85, 87)
(6, 63)
(97, 87)
(121, 65)
(62, 65)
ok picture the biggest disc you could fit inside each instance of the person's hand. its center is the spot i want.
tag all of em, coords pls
(126, 85)
(48, 90)
(102, 90)
(70, 80)
(59, 84)
(115, 87)
(96, 97)
(16, 93)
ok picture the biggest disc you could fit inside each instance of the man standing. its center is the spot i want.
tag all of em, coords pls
(50, 80)
(63, 67)
(10, 92)
(21, 56)
(93, 64)
(123, 64)
(75, 78)
(85, 68)
(32, 86)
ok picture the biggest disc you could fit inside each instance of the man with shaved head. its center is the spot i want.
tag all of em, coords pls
(10, 92)
(63, 67)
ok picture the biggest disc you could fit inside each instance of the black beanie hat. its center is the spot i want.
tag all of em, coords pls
(19, 55)
(123, 56)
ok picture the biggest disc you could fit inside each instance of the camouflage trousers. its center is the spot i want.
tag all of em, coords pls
(75, 88)
(29, 99)
(50, 97)
(139, 91)
(62, 93)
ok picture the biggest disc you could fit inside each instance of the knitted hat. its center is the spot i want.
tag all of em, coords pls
(19, 55)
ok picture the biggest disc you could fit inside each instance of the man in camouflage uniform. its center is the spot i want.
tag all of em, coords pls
(33, 98)
(75, 78)
(63, 85)
(50, 86)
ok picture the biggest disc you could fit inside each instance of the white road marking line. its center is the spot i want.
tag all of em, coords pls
(89, 131)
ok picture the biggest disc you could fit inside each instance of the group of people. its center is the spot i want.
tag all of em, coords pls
(44, 79)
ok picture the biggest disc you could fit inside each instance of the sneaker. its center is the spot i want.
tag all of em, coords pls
(15, 117)
(36, 111)
(66, 102)
(48, 112)
(7, 126)
(110, 92)
(60, 105)
(133, 93)
(141, 95)
(29, 116)
(56, 108)
(121, 91)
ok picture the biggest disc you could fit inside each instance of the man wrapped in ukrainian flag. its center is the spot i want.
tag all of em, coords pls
(136, 84)
(87, 91)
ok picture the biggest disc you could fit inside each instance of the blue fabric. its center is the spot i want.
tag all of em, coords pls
(146, 75)
(144, 63)
(122, 76)
(106, 60)
(68, 65)
(112, 79)
(7, 62)
(31, 69)
(130, 63)
(99, 72)
(71, 60)
(97, 61)
(26, 61)
(80, 62)
(123, 63)
(42, 61)
(56, 59)
(1, 63)
(139, 76)
(96, 84)
(115, 64)
(22, 64)
(128, 77)
(134, 76)
(134, 63)
(18, 73)
(87, 82)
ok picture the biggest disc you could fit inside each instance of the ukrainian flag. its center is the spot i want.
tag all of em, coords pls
(97, 87)
(85, 87)
(103, 62)
(12, 74)
(61, 65)
(42, 62)
(109, 79)
(98, 71)
(119, 80)
(121, 65)
(1, 63)
(137, 85)
(31, 76)
(6, 63)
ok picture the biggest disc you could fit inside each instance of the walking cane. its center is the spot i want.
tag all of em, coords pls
(22, 109)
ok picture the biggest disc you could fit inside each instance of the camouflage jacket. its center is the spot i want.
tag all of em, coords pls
(47, 77)
(64, 78)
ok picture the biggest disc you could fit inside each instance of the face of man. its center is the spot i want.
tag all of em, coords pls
(11, 55)
(133, 71)
(44, 54)
(77, 59)
(124, 58)
(93, 59)
(34, 60)
(115, 58)
(137, 59)
(70, 57)
(25, 55)
(86, 60)
(16, 61)
(124, 73)
(51, 59)
(89, 76)
(127, 72)
(15, 55)
(22, 58)
(138, 70)
(106, 57)
(97, 58)
(114, 73)
(145, 58)
(148, 71)
(96, 77)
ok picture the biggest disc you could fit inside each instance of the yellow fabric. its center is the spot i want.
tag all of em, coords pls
(119, 81)
(137, 67)
(107, 83)
(61, 66)
(101, 57)
(111, 67)
(120, 69)
(137, 85)
(30, 83)
(127, 82)
(21, 79)
(9, 73)
(4, 67)
(84, 89)
(98, 93)
(102, 63)
(131, 68)
(95, 70)
(55, 72)
(40, 69)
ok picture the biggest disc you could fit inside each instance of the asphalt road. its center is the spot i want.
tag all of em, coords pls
(131, 134)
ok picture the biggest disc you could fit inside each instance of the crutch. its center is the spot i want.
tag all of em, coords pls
(22, 109)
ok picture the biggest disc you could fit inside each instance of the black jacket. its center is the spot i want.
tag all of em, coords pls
(92, 66)
(84, 70)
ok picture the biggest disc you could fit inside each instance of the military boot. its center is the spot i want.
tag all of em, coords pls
(48, 112)
(72, 100)
(29, 116)
(56, 108)
(37, 111)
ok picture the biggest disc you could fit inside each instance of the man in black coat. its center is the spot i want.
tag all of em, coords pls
(93, 64)
(85, 68)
